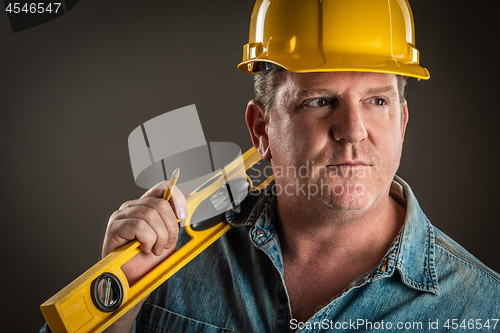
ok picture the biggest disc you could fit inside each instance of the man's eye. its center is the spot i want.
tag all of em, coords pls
(318, 102)
(378, 101)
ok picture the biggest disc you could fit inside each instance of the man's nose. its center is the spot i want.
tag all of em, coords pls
(348, 126)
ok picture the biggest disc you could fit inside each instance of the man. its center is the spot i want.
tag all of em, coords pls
(342, 246)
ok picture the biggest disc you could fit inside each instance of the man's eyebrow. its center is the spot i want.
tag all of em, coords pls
(301, 93)
(380, 90)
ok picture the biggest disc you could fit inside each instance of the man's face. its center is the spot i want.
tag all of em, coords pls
(336, 137)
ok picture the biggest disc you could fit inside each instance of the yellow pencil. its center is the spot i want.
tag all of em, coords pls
(171, 184)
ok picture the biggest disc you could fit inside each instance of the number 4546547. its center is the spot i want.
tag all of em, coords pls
(33, 7)
(471, 324)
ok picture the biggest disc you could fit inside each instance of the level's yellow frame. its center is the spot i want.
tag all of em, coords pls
(72, 310)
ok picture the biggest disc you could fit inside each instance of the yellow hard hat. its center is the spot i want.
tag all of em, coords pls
(333, 35)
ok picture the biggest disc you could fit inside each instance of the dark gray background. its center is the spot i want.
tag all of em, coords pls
(73, 89)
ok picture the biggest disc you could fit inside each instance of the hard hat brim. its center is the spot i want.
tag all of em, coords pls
(349, 64)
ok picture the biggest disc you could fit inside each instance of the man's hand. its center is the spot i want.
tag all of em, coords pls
(153, 221)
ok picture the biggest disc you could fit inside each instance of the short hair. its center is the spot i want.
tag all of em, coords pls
(266, 84)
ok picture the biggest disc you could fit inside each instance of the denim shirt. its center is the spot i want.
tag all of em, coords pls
(425, 283)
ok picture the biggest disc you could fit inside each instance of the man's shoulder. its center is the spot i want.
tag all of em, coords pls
(444, 257)
(454, 262)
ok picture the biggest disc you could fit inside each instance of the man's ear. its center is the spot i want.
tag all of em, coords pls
(404, 121)
(257, 126)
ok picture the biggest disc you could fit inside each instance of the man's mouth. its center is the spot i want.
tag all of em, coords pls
(349, 164)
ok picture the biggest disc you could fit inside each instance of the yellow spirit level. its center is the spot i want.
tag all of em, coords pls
(102, 294)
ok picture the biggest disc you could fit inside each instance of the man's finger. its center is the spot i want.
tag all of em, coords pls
(178, 199)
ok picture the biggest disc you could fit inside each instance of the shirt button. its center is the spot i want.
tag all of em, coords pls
(260, 232)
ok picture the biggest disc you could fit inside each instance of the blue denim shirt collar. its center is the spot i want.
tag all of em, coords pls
(411, 253)
(416, 260)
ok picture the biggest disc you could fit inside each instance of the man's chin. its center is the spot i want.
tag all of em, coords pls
(346, 196)
(345, 204)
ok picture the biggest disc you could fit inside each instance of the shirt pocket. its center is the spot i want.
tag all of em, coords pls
(158, 320)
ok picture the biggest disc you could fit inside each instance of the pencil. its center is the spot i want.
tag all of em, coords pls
(171, 184)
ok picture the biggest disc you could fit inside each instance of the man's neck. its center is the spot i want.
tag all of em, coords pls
(308, 235)
(330, 250)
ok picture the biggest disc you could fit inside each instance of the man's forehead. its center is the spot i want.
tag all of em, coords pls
(338, 83)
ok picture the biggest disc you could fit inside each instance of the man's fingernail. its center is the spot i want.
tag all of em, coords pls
(181, 213)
